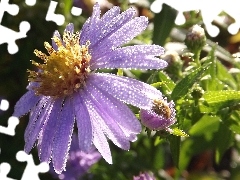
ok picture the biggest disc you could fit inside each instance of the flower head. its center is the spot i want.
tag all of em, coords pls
(65, 69)
(160, 116)
(68, 88)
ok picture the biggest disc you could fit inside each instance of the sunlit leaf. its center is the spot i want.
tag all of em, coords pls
(216, 100)
(183, 87)
(224, 75)
(207, 124)
(179, 132)
(164, 83)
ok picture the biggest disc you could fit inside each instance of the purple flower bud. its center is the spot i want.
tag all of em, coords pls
(160, 116)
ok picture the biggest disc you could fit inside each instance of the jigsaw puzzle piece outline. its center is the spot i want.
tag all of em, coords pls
(12, 36)
(10, 129)
(12, 9)
(31, 171)
(4, 170)
(30, 2)
(208, 13)
(4, 105)
(51, 16)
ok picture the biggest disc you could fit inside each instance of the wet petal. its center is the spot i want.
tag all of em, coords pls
(99, 115)
(25, 103)
(91, 26)
(121, 36)
(120, 112)
(106, 30)
(138, 56)
(110, 14)
(128, 90)
(47, 133)
(54, 45)
(85, 134)
(37, 117)
(70, 27)
(62, 138)
(100, 142)
(129, 31)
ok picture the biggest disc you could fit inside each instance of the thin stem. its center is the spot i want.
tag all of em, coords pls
(197, 57)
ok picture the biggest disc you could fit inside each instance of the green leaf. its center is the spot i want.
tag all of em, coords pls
(164, 83)
(224, 76)
(179, 132)
(207, 124)
(214, 85)
(183, 87)
(221, 52)
(168, 83)
(220, 78)
(223, 139)
(216, 100)
(163, 24)
(185, 153)
(175, 148)
(234, 123)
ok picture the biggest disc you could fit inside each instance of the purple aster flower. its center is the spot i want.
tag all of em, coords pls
(144, 176)
(78, 162)
(160, 116)
(68, 88)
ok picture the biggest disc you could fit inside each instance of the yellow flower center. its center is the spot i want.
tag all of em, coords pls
(160, 107)
(65, 69)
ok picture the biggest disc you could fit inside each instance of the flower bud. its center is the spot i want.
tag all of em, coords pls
(197, 92)
(195, 38)
(174, 68)
(160, 116)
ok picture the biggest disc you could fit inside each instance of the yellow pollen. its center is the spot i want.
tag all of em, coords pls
(64, 70)
(161, 108)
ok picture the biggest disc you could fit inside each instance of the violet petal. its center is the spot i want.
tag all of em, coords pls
(84, 125)
(26, 103)
(62, 138)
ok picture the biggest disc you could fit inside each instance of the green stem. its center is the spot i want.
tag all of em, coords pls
(197, 57)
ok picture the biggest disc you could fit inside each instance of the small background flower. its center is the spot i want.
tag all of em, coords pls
(145, 176)
(78, 162)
